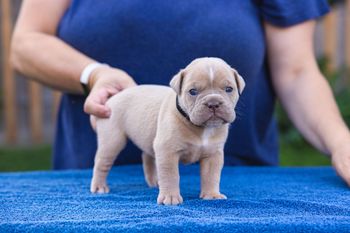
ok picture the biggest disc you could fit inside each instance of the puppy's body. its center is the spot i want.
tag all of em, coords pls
(149, 116)
(138, 115)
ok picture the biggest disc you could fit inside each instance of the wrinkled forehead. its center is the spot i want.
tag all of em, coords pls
(211, 73)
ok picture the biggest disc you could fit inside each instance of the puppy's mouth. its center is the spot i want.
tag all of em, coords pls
(215, 120)
(203, 116)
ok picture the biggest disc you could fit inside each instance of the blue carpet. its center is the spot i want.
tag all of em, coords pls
(260, 199)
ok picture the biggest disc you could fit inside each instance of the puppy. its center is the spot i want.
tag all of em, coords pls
(185, 123)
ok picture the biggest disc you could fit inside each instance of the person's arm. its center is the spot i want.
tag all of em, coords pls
(39, 54)
(305, 94)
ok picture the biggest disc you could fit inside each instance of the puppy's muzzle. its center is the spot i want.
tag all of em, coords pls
(213, 105)
(212, 110)
(213, 102)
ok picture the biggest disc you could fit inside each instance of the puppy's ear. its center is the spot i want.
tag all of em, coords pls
(176, 82)
(239, 81)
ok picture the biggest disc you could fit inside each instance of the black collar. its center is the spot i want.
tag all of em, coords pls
(183, 113)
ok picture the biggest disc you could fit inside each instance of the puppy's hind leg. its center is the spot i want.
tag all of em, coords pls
(109, 146)
(150, 170)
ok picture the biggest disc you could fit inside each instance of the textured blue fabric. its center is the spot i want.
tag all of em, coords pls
(260, 199)
(153, 40)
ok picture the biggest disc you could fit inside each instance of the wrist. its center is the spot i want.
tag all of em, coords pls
(86, 77)
(341, 141)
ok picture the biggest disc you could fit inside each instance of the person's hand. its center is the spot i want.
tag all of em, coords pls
(341, 160)
(104, 83)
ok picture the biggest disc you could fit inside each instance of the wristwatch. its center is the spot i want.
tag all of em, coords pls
(86, 74)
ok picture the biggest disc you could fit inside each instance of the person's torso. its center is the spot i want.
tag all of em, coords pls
(153, 40)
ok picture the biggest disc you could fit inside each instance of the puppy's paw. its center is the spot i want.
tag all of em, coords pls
(169, 199)
(212, 196)
(99, 187)
(152, 181)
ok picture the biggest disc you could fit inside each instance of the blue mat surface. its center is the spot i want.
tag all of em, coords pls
(260, 199)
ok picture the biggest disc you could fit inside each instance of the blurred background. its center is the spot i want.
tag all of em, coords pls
(27, 109)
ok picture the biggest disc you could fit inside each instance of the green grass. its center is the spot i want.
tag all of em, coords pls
(25, 158)
(302, 155)
(39, 157)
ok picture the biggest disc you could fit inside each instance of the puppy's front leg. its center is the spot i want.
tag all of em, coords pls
(210, 176)
(168, 179)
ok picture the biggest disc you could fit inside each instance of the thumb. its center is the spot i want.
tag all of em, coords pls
(95, 103)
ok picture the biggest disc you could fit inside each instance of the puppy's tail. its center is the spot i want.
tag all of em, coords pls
(93, 122)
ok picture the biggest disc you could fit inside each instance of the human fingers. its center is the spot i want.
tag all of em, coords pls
(95, 103)
(104, 83)
(341, 162)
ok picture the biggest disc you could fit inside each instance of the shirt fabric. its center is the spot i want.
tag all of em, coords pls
(153, 40)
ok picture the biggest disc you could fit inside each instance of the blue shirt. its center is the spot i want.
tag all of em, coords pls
(153, 40)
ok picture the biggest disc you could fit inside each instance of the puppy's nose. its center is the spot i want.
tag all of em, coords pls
(213, 104)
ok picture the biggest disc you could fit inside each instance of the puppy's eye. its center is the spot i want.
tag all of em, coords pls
(228, 89)
(193, 92)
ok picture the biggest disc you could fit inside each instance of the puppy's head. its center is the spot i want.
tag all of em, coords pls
(208, 90)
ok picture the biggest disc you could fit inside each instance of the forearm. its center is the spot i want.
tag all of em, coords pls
(305, 93)
(48, 60)
(309, 101)
(39, 54)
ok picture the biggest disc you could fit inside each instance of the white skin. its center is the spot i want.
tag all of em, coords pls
(304, 92)
(60, 68)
